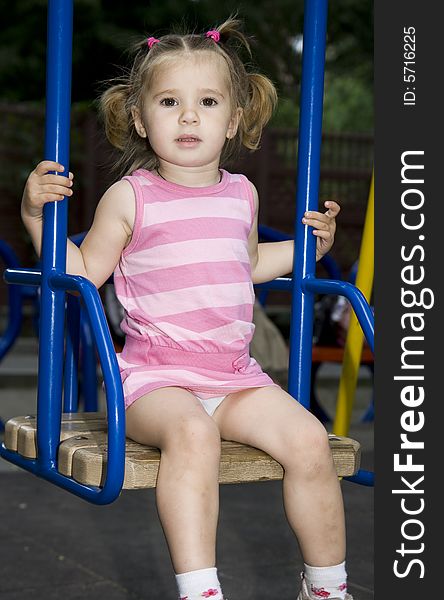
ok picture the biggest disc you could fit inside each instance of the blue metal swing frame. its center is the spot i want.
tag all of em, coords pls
(55, 283)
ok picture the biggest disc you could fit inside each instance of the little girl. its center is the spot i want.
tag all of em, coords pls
(180, 235)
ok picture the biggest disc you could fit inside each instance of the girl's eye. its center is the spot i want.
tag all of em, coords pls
(209, 102)
(168, 102)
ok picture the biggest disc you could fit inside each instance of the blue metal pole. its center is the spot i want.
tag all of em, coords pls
(71, 388)
(363, 477)
(55, 215)
(308, 173)
(363, 312)
(14, 323)
(55, 283)
(110, 370)
(15, 301)
(113, 387)
(88, 365)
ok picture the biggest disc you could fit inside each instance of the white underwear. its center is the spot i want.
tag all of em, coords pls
(210, 404)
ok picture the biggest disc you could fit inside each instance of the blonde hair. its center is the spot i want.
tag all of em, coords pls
(254, 93)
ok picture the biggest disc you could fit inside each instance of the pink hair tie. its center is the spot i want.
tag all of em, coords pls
(151, 41)
(214, 34)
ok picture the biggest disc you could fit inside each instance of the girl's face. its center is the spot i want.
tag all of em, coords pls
(187, 113)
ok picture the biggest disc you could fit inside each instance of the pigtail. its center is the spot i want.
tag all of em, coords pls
(113, 109)
(231, 30)
(115, 106)
(259, 107)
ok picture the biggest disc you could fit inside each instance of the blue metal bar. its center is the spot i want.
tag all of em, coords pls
(55, 216)
(105, 495)
(284, 284)
(55, 283)
(356, 298)
(71, 388)
(32, 277)
(110, 369)
(78, 238)
(89, 365)
(331, 266)
(308, 173)
(272, 235)
(114, 401)
(15, 307)
(363, 478)
(88, 356)
(304, 283)
(23, 276)
(313, 285)
(369, 415)
(15, 301)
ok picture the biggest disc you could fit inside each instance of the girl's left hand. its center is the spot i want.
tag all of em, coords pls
(324, 225)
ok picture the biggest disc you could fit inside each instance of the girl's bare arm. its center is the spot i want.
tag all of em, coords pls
(110, 232)
(275, 259)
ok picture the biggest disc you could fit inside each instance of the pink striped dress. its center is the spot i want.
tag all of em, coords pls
(185, 284)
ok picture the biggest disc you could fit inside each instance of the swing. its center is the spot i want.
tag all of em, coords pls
(86, 453)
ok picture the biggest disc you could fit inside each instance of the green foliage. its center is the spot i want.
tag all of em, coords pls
(287, 113)
(105, 29)
(348, 105)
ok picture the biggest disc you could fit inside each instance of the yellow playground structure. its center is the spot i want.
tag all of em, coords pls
(355, 337)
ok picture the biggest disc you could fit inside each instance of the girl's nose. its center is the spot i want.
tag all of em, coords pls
(189, 116)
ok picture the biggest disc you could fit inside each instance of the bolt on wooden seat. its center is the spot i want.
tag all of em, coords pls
(83, 452)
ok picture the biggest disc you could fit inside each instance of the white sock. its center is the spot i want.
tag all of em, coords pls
(326, 580)
(196, 585)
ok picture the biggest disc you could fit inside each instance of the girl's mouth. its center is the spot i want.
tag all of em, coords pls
(188, 141)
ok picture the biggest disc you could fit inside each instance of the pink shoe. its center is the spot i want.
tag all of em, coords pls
(304, 595)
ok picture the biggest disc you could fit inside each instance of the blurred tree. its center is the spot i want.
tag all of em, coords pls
(104, 29)
(22, 49)
(348, 101)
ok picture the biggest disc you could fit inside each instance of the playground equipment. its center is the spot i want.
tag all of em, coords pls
(57, 460)
(83, 349)
(14, 319)
(319, 354)
(353, 355)
(354, 341)
(15, 302)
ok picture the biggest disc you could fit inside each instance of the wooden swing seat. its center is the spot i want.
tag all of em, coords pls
(83, 452)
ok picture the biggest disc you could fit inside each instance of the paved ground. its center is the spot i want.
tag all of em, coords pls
(56, 546)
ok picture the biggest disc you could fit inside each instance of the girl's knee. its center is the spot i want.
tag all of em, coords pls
(309, 454)
(195, 436)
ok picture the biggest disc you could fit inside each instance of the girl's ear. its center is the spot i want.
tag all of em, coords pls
(234, 124)
(138, 124)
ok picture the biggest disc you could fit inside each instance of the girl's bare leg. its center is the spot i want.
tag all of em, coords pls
(187, 492)
(271, 420)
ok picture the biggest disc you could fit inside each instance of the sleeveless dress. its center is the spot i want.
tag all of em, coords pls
(184, 281)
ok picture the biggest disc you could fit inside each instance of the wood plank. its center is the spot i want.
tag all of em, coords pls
(84, 459)
(28, 423)
(26, 439)
(12, 427)
(83, 454)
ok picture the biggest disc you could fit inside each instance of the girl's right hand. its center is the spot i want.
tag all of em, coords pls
(42, 187)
